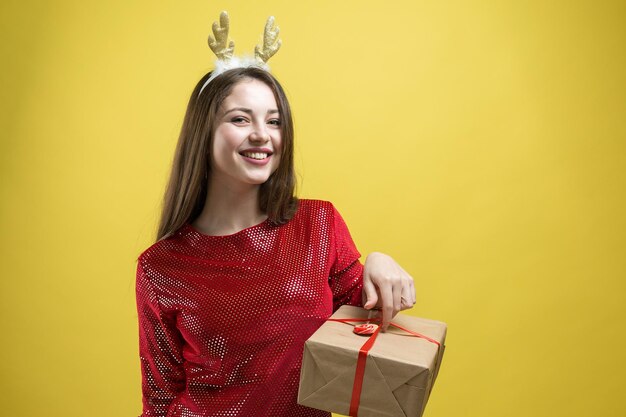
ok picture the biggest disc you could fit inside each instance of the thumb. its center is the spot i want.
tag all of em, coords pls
(370, 294)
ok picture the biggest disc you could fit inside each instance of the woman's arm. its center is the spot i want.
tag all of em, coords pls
(160, 350)
(386, 285)
(381, 281)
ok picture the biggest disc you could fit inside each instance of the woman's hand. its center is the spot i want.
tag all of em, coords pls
(386, 285)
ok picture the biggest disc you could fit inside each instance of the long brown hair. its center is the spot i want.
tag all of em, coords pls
(186, 189)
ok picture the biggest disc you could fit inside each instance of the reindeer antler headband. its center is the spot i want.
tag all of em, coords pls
(223, 49)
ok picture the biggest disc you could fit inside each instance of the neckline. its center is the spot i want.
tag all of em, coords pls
(195, 231)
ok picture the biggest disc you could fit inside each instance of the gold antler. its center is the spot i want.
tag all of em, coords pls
(271, 43)
(218, 45)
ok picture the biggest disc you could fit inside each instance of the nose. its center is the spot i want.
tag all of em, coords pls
(259, 134)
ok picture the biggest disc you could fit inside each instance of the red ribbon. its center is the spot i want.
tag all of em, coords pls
(362, 359)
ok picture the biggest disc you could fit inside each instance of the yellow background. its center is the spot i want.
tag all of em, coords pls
(480, 143)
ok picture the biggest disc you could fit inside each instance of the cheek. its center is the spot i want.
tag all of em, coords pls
(224, 142)
(217, 147)
(220, 155)
(278, 149)
(278, 145)
(215, 152)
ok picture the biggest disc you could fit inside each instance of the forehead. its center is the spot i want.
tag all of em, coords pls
(251, 93)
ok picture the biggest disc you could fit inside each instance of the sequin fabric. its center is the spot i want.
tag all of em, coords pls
(223, 319)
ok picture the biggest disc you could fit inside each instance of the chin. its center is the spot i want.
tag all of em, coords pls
(258, 181)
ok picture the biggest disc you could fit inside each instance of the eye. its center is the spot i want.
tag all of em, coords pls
(238, 119)
(275, 122)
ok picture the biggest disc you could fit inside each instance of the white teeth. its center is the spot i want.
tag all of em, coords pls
(255, 155)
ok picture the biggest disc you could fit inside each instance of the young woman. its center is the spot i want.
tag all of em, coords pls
(242, 272)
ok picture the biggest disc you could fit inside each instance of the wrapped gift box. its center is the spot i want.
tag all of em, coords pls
(399, 371)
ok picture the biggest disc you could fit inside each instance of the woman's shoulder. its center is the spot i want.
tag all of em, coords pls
(161, 249)
(315, 211)
(313, 205)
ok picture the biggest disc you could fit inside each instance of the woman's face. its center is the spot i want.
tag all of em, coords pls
(247, 138)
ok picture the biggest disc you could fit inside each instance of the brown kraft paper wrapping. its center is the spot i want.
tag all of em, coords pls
(399, 374)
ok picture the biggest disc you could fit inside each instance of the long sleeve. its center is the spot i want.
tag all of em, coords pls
(346, 275)
(163, 376)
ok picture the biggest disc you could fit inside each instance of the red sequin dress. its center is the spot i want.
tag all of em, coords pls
(223, 319)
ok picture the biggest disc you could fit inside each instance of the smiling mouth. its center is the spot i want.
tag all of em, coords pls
(255, 155)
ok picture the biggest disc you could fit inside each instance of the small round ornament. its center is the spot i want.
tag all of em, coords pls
(366, 329)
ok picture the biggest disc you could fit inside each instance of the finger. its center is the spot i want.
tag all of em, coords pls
(397, 299)
(370, 294)
(411, 282)
(386, 294)
(408, 292)
(406, 298)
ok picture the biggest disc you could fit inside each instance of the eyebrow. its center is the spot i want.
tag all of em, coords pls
(249, 111)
